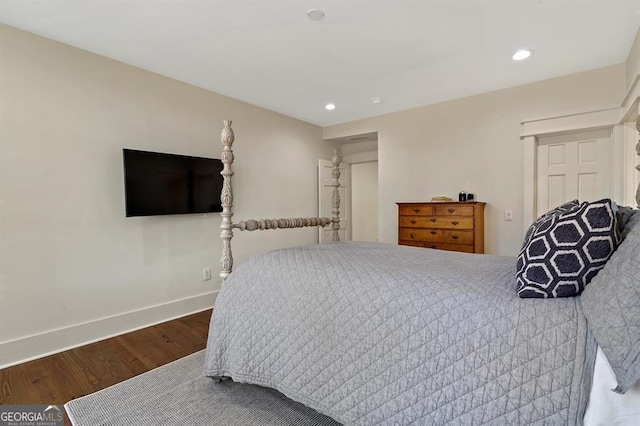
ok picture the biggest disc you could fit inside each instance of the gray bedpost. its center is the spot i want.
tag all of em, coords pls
(335, 198)
(226, 198)
(638, 166)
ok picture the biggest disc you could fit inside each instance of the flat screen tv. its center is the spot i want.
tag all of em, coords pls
(164, 184)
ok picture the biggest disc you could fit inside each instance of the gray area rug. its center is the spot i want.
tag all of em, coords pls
(179, 394)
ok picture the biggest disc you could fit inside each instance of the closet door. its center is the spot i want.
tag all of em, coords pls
(573, 166)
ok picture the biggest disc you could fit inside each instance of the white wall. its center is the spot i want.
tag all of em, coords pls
(633, 60)
(473, 144)
(364, 201)
(72, 267)
(632, 105)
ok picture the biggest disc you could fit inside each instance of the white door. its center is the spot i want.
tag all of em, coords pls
(573, 166)
(325, 193)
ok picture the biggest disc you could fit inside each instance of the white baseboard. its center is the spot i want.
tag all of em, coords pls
(43, 344)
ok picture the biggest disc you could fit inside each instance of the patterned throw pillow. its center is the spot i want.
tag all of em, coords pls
(566, 207)
(565, 248)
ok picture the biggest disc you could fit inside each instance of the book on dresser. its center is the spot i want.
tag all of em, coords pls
(455, 226)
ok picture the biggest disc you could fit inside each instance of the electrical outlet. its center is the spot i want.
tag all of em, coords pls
(206, 274)
(508, 215)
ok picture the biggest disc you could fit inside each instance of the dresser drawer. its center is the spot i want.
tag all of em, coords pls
(415, 209)
(452, 210)
(435, 222)
(408, 234)
(436, 235)
(414, 221)
(451, 222)
(457, 237)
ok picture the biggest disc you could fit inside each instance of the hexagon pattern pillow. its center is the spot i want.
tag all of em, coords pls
(565, 248)
(545, 219)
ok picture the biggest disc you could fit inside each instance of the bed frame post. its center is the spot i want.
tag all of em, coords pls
(335, 198)
(226, 198)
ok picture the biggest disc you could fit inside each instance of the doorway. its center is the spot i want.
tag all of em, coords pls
(364, 201)
(359, 201)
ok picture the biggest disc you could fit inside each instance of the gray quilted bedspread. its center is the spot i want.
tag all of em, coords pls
(379, 334)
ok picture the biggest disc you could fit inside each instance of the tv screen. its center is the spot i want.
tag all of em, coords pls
(162, 184)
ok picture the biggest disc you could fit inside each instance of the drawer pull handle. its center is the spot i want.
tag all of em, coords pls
(433, 232)
(433, 219)
(451, 210)
(413, 221)
(455, 237)
(454, 222)
(416, 210)
(411, 235)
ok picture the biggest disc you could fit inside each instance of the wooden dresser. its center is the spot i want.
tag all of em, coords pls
(456, 226)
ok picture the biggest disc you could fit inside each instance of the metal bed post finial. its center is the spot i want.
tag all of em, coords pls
(226, 198)
(335, 198)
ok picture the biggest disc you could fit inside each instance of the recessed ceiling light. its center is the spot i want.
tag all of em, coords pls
(330, 107)
(376, 101)
(315, 14)
(522, 54)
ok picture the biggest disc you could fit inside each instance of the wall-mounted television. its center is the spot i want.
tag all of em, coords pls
(162, 184)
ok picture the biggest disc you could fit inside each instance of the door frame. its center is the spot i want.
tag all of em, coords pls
(610, 119)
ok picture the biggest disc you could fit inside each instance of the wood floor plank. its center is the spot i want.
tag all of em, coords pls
(56, 370)
(59, 378)
(103, 363)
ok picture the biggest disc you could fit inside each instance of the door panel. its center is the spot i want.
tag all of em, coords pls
(557, 190)
(577, 165)
(587, 186)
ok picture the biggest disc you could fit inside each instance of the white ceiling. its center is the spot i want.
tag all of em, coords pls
(408, 52)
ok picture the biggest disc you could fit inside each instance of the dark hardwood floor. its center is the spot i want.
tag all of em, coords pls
(59, 378)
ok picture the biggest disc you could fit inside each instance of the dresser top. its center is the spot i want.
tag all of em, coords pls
(441, 202)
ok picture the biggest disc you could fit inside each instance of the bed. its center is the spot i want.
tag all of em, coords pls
(382, 334)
